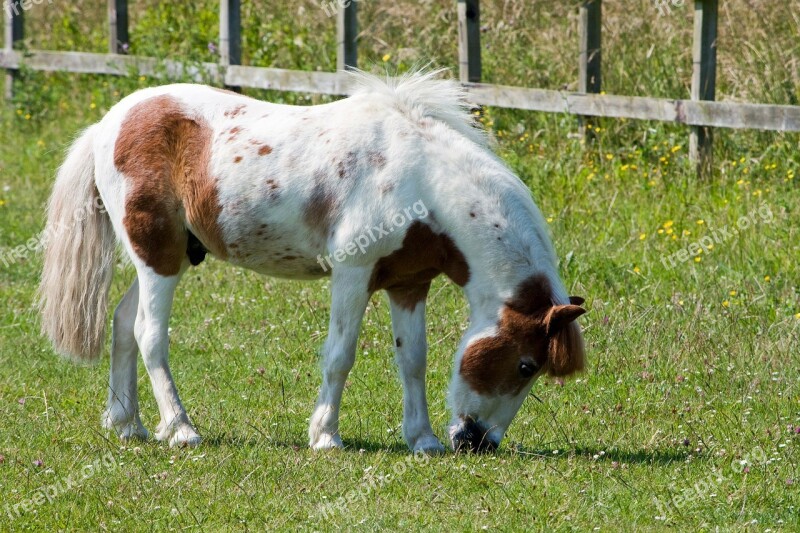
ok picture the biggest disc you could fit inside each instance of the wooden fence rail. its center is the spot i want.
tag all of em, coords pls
(700, 112)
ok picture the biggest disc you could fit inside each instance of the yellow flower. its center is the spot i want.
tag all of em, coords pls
(642, 236)
(40, 143)
(660, 231)
(732, 293)
(675, 149)
(686, 232)
(726, 303)
(700, 221)
(142, 78)
(668, 224)
(609, 156)
(651, 183)
(386, 57)
(742, 160)
(710, 246)
(698, 259)
(636, 269)
(767, 279)
(680, 302)
(92, 105)
(669, 231)
(27, 116)
(797, 316)
(2, 203)
(549, 220)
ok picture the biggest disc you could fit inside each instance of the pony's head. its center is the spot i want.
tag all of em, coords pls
(497, 365)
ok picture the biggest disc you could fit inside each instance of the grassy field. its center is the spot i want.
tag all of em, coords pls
(688, 417)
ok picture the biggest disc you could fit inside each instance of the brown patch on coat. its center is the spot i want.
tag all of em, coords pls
(376, 159)
(265, 150)
(164, 155)
(235, 111)
(347, 167)
(237, 159)
(407, 272)
(320, 208)
(531, 329)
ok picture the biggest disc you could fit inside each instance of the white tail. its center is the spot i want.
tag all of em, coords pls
(78, 258)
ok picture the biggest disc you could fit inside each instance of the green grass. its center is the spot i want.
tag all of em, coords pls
(693, 369)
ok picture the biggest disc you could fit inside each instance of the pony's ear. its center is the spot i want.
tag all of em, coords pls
(561, 315)
(576, 300)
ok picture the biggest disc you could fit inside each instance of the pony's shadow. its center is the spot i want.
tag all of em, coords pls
(371, 447)
(655, 457)
(297, 444)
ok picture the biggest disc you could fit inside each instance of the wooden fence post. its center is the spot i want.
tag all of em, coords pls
(347, 36)
(230, 34)
(469, 41)
(118, 26)
(589, 72)
(14, 32)
(704, 79)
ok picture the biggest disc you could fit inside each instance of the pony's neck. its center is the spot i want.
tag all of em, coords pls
(498, 228)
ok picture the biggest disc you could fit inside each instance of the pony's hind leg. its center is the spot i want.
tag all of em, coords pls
(408, 325)
(349, 297)
(122, 410)
(156, 293)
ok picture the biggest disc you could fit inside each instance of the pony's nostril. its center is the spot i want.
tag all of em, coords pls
(472, 436)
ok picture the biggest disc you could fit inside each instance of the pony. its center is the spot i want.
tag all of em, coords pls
(176, 172)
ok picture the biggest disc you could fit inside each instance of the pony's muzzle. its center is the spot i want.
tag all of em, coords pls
(471, 435)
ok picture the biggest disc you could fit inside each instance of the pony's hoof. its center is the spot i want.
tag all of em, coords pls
(178, 432)
(428, 445)
(127, 431)
(185, 437)
(326, 441)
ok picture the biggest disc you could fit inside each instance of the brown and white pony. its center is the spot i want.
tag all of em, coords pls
(178, 171)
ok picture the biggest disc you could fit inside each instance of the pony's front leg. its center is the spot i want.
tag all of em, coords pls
(152, 334)
(411, 347)
(349, 297)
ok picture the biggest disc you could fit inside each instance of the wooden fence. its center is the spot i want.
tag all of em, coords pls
(700, 112)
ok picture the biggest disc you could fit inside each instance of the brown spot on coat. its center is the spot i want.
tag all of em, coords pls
(407, 272)
(531, 329)
(376, 159)
(164, 154)
(347, 167)
(235, 111)
(237, 159)
(265, 150)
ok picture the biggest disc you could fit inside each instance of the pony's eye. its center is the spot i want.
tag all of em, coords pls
(527, 369)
